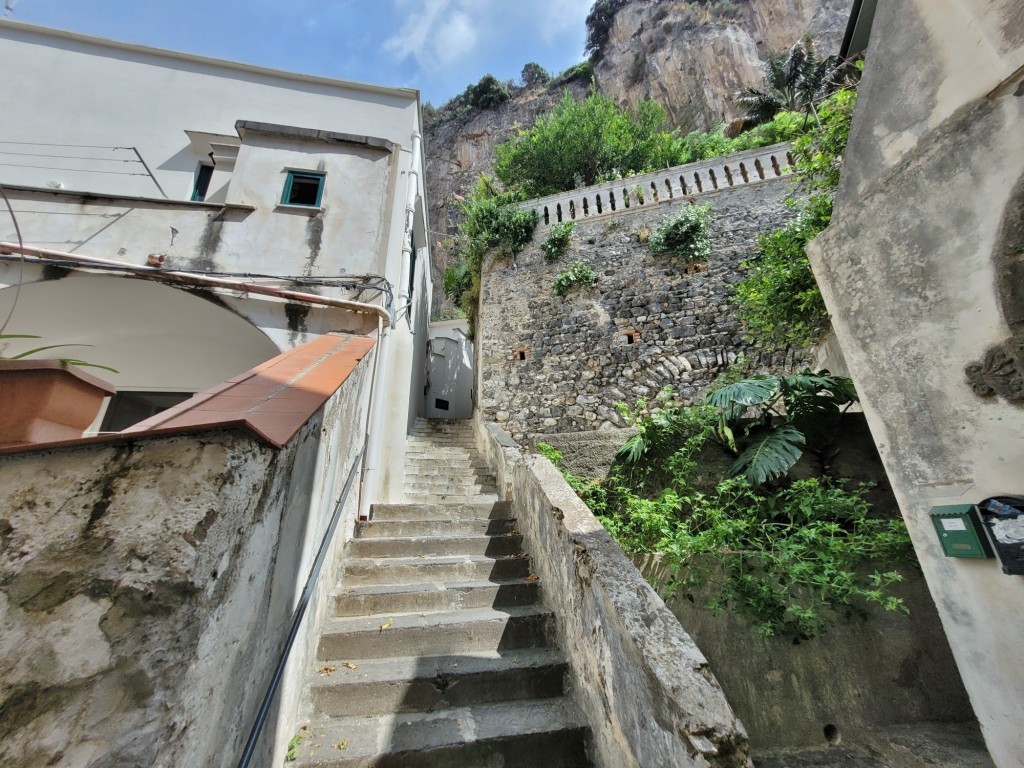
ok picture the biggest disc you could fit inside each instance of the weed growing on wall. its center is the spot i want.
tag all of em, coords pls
(779, 300)
(685, 235)
(578, 275)
(557, 242)
(495, 221)
(789, 554)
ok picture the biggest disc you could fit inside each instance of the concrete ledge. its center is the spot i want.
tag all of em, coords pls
(641, 681)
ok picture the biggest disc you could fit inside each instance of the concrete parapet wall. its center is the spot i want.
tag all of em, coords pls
(146, 589)
(648, 190)
(641, 682)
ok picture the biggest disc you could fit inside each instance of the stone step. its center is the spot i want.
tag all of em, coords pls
(383, 528)
(462, 631)
(445, 466)
(409, 570)
(449, 488)
(424, 683)
(416, 452)
(441, 498)
(521, 734)
(416, 546)
(463, 426)
(455, 510)
(456, 479)
(369, 599)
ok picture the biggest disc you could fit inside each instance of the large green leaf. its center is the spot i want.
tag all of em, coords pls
(813, 400)
(733, 399)
(770, 455)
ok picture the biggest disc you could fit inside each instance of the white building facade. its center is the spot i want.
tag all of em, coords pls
(190, 223)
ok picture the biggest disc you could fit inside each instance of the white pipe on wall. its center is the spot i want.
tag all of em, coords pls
(369, 488)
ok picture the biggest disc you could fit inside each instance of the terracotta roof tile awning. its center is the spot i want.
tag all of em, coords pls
(275, 399)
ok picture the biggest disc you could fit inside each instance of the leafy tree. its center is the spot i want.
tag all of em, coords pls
(599, 25)
(793, 81)
(534, 74)
(581, 143)
(488, 93)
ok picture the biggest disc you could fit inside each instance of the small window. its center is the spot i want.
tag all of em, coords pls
(303, 188)
(202, 183)
(441, 405)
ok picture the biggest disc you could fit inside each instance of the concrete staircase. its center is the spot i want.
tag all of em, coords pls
(438, 653)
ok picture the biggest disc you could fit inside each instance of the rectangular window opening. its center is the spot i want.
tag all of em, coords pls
(129, 407)
(202, 183)
(301, 188)
(630, 338)
(441, 405)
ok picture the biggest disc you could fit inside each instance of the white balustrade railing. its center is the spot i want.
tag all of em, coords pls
(681, 182)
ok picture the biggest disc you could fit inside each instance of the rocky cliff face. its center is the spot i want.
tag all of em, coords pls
(692, 62)
(457, 151)
(677, 52)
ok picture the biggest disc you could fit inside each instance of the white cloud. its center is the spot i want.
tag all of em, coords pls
(436, 33)
(556, 17)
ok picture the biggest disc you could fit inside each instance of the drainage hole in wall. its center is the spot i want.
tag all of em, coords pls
(831, 734)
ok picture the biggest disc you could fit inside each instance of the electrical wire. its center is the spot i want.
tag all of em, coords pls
(51, 144)
(383, 289)
(21, 259)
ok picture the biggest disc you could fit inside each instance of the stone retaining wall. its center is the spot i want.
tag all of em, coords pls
(639, 679)
(548, 364)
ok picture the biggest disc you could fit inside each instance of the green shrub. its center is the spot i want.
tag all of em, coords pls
(686, 235)
(557, 242)
(578, 275)
(581, 143)
(788, 555)
(725, 9)
(779, 300)
(493, 220)
(577, 73)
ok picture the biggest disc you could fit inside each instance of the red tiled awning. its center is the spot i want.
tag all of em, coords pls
(274, 400)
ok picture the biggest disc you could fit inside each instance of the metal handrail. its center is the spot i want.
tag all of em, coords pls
(297, 616)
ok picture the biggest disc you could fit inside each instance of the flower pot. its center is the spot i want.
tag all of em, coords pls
(43, 401)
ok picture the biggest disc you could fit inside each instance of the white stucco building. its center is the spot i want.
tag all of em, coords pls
(253, 236)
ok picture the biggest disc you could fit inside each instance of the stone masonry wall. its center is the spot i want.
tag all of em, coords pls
(579, 360)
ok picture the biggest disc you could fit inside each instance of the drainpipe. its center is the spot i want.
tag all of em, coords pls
(369, 488)
(410, 214)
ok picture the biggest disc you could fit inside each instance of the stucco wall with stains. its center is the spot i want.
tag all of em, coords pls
(146, 589)
(921, 270)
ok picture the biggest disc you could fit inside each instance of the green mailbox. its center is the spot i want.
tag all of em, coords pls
(960, 532)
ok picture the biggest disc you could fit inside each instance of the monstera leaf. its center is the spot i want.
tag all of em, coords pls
(770, 456)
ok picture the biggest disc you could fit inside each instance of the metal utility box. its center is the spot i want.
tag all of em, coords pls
(1002, 518)
(960, 531)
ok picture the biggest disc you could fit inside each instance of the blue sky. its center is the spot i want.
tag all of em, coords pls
(437, 46)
